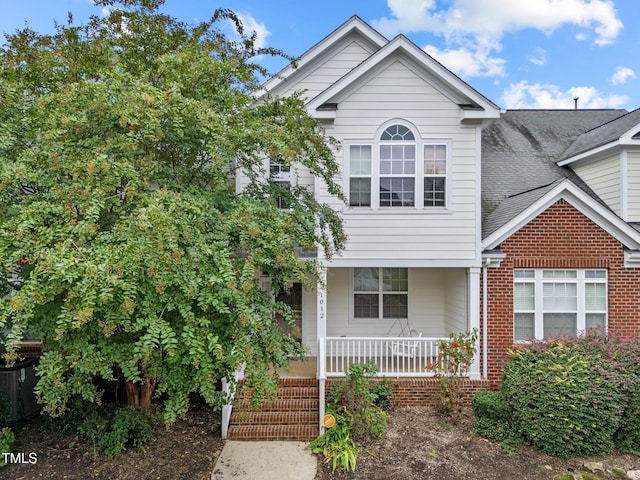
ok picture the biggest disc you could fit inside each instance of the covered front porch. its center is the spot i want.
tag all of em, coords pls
(394, 316)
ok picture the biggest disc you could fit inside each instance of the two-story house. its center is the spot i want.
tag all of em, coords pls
(459, 216)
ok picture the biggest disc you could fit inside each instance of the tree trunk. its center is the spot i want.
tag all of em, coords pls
(140, 393)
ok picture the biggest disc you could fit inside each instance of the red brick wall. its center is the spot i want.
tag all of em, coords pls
(414, 392)
(560, 237)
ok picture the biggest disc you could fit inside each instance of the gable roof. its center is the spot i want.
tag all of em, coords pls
(519, 154)
(473, 104)
(611, 134)
(354, 27)
(546, 196)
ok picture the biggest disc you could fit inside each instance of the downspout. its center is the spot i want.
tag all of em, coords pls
(485, 368)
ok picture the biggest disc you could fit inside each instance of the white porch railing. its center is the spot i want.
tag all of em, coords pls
(394, 356)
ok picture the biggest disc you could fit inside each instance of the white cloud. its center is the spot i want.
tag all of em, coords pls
(250, 24)
(621, 75)
(475, 28)
(496, 17)
(468, 63)
(536, 95)
(538, 57)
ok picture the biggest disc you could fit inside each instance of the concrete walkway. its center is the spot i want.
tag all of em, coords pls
(265, 461)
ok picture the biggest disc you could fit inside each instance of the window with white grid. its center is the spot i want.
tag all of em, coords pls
(397, 170)
(553, 302)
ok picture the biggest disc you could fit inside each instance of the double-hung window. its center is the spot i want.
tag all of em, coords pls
(280, 174)
(552, 302)
(360, 176)
(381, 293)
(435, 170)
(397, 170)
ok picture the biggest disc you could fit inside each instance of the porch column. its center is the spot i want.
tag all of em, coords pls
(321, 326)
(474, 316)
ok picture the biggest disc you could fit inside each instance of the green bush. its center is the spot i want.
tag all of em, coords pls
(566, 396)
(336, 444)
(382, 395)
(628, 437)
(356, 406)
(492, 415)
(358, 396)
(76, 418)
(6, 440)
(130, 428)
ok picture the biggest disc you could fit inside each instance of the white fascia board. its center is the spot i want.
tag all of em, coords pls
(566, 190)
(599, 151)
(443, 78)
(355, 23)
(336, 261)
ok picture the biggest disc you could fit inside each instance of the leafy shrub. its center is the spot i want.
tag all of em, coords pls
(382, 395)
(356, 406)
(75, 419)
(492, 415)
(357, 395)
(453, 362)
(130, 428)
(566, 396)
(6, 440)
(628, 437)
(336, 444)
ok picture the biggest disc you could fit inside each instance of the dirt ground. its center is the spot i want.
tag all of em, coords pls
(186, 450)
(419, 444)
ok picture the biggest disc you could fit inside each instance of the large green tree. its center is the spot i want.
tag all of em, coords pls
(128, 249)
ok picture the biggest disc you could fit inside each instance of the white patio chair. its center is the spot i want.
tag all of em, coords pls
(406, 348)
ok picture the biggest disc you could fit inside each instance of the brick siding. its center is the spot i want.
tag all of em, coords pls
(416, 392)
(560, 237)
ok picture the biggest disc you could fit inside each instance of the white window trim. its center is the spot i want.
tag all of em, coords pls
(419, 175)
(580, 280)
(380, 320)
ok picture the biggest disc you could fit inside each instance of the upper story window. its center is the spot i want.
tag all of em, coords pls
(397, 170)
(280, 174)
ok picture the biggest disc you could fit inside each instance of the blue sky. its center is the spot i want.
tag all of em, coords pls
(518, 53)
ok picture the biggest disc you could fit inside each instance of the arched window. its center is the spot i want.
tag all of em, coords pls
(397, 169)
(397, 166)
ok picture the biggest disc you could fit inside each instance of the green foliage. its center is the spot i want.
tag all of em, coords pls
(336, 444)
(78, 417)
(454, 360)
(6, 440)
(130, 428)
(491, 415)
(121, 234)
(355, 406)
(628, 437)
(382, 395)
(567, 397)
(358, 396)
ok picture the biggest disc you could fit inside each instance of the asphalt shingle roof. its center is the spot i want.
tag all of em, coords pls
(603, 134)
(519, 155)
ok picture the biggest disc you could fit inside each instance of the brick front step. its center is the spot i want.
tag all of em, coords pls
(273, 432)
(282, 404)
(293, 415)
(275, 418)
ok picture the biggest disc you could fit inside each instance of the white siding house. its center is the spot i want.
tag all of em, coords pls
(408, 133)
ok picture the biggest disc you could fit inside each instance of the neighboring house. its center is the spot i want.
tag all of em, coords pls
(459, 215)
(561, 211)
